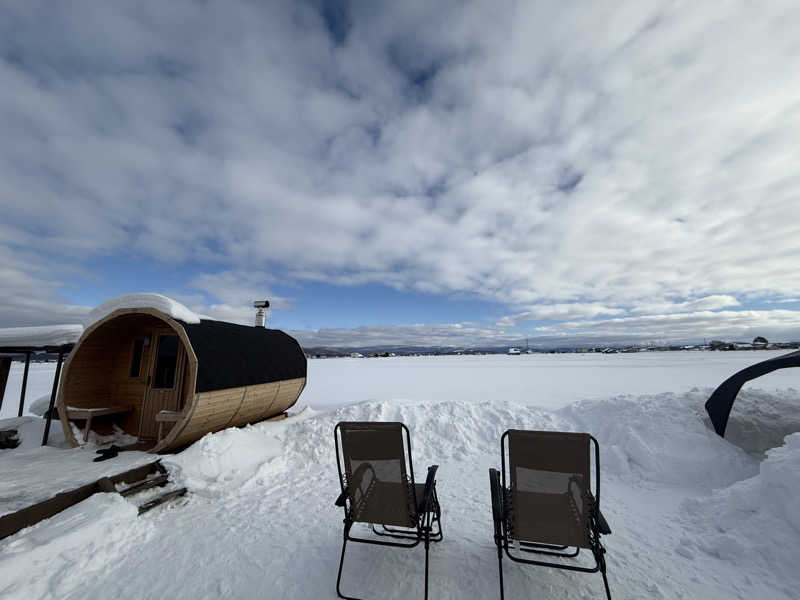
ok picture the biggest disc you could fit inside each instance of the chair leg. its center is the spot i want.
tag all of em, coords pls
(339, 576)
(500, 568)
(427, 548)
(602, 561)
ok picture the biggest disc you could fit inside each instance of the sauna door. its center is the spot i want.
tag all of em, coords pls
(164, 380)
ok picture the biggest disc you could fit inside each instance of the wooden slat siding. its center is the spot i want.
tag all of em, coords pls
(213, 409)
(258, 403)
(86, 379)
(238, 408)
(95, 340)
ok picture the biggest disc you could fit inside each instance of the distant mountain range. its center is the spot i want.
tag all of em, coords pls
(328, 351)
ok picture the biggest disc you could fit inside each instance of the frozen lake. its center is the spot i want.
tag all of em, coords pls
(546, 380)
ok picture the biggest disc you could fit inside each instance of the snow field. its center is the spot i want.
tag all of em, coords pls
(693, 515)
(260, 521)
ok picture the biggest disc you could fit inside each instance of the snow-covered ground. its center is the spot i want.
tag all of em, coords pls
(544, 380)
(694, 516)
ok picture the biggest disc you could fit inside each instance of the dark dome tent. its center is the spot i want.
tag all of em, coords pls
(719, 405)
(168, 382)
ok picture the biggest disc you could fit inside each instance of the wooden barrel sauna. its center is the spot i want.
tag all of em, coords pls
(168, 382)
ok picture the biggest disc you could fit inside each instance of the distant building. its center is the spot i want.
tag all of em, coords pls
(760, 342)
(719, 345)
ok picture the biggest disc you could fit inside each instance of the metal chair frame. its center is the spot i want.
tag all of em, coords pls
(423, 531)
(501, 512)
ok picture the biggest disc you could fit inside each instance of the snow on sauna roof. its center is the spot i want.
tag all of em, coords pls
(168, 306)
(40, 337)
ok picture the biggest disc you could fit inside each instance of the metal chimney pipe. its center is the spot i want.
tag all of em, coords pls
(261, 306)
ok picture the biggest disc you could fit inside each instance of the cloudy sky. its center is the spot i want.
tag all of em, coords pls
(435, 173)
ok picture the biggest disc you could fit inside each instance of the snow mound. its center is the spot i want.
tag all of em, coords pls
(39, 406)
(233, 457)
(761, 419)
(45, 335)
(756, 520)
(660, 438)
(168, 306)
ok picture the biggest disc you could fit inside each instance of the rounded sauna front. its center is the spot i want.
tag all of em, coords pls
(168, 382)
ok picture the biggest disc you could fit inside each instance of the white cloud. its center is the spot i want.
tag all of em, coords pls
(444, 334)
(713, 302)
(726, 324)
(595, 155)
(560, 312)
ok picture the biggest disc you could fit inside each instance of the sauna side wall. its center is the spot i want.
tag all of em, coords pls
(217, 410)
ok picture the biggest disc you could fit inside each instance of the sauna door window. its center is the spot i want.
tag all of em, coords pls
(136, 359)
(166, 362)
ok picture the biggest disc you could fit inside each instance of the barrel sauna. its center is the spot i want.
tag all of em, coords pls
(168, 382)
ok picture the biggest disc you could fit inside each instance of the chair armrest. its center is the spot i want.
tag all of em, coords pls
(342, 498)
(602, 524)
(430, 485)
(498, 514)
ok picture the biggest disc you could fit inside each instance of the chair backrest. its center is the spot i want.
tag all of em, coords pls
(549, 486)
(375, 473)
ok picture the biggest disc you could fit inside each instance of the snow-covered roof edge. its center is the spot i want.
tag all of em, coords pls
(162, 303)
(41, 336)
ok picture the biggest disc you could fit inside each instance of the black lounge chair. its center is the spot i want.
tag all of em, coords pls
(547, 507)
(378, 489)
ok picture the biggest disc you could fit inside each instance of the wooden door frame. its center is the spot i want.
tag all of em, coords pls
(156, 333)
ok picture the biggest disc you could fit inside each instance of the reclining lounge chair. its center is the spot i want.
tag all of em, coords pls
(377, 482)
(547, 506)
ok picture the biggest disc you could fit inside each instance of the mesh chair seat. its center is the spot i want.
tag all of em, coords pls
(549, 471)
(384, 504)
(548, 519)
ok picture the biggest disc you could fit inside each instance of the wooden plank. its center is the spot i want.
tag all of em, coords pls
(30, 515)
(86, 413)
(168, 416)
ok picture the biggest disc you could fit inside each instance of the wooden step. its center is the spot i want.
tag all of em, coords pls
(145, 484)
(161, 500)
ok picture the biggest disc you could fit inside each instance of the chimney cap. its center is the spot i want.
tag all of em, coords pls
(261, 304)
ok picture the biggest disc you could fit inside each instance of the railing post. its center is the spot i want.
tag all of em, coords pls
(52, 398)
(5, 368)
(24, 383)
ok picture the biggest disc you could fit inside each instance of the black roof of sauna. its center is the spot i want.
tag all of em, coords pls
(230, 355)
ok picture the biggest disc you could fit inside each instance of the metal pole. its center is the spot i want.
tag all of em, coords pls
(24, 383)
(5, 368)
(52, 398)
